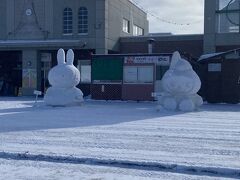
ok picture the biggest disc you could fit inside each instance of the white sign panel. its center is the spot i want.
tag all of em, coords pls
(130, 74)
(214, 67)
(159, 60)
(138, 74)
(85, 74)
(145, 74)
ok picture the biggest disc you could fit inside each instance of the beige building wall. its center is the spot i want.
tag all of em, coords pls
(33, 26)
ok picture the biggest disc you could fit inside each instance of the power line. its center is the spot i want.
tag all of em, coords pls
(162, 19)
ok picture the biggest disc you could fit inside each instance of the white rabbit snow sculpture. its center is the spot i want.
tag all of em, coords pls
(63, 78)
(180, 86)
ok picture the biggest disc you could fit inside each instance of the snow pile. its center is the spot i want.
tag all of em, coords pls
(63, 78)
(180, 86)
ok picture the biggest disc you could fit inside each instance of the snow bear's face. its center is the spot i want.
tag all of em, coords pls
(180, 79)
(177, 83)
(64, 76)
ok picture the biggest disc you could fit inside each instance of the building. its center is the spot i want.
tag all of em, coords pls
(128, 76)
(190, 45)
(221, 77)
(221, 25)
(33, 30)
(221, 33)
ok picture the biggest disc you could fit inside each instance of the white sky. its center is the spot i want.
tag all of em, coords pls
(177, 11)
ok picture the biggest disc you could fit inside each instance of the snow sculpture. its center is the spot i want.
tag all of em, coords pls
(180, 85)
(63, 78)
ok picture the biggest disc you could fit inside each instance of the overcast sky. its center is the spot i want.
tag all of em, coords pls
(176, 11)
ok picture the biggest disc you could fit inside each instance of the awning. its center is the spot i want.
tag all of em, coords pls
(13, 44)
(209, 56)
(215, 55)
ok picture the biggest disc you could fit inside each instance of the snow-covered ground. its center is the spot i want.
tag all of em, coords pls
(117, 140)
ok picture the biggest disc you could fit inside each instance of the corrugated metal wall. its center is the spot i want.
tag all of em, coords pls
(224, 86)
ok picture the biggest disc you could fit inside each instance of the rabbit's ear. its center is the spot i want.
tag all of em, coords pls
(175, 58)
(61, 56)
(70, 57)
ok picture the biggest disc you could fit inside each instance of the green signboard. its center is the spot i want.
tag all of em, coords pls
(107, 68)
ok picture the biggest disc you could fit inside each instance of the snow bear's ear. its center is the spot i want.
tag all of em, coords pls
(61, 56)
(70, 57)
(175, 58)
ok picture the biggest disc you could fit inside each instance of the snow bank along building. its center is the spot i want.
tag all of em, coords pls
(33, 30)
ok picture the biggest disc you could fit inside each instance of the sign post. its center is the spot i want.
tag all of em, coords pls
(37, 93)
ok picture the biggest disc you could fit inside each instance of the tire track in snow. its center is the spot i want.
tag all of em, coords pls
(148, 166)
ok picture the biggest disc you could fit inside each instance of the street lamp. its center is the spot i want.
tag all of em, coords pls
(150, 45)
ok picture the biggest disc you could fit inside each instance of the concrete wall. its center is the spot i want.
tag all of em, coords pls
(117, 10)
(209, 26)
(47, 18)
(23, 26)
(214, 41)
(3, 22)
(101, 26)
(46, 21)
(31, 26)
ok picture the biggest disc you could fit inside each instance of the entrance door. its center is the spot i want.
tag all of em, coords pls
(46, 64)
(214, 87)
(214, 83)
(223, 84)
(231, 81)
(10, 73)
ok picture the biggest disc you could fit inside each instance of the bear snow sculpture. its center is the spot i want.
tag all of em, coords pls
(63, 78)
(180, 85)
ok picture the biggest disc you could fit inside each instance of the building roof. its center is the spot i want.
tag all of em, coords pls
(209, 56)
(163, 37)
(206, 57)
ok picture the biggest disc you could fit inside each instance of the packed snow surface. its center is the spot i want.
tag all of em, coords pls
(117, 140)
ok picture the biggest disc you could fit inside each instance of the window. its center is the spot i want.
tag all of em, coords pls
(145, 74)
(137, 31)
(214, 67)
(228, 14)
(67, 21)
(130, 74)
(126, 26)
(82, 20)
(84, 66)
(138, 74)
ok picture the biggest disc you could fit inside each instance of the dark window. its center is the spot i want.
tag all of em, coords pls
(67, 21)
(126, 26)
(82, 20)
(137, 31)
